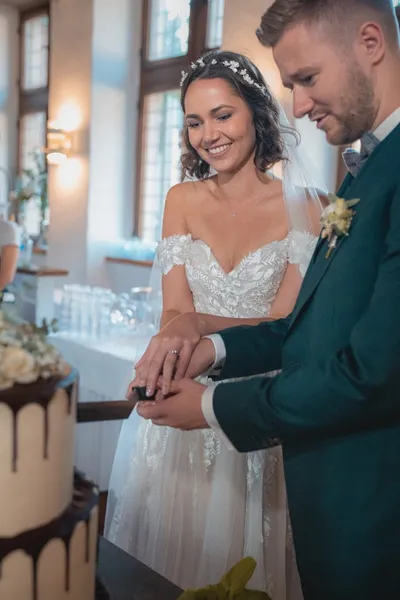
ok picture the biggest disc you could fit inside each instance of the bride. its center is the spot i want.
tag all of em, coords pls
(181, 502)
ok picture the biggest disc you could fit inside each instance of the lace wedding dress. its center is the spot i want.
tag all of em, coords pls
(190, 508)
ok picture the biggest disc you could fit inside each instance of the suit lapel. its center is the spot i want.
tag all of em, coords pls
(319, 264)
(348, 180)
(315, 274)
(349, 188)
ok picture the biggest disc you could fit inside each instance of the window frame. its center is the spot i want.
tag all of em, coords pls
(159, 76)
(35, 100)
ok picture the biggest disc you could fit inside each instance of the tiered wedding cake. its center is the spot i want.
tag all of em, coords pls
(48, 513)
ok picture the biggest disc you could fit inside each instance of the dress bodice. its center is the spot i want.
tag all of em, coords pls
(249, 289)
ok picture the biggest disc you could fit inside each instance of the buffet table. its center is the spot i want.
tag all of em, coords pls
(105, 369)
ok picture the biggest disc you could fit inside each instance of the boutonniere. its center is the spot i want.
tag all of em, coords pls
(336, 220)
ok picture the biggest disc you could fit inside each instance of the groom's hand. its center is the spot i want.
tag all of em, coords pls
(181, 410)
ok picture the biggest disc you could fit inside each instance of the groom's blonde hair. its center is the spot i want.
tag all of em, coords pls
(339, 14)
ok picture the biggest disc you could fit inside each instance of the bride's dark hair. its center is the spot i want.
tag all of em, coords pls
(269, 146)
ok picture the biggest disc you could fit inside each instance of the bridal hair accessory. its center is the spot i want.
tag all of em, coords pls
(233, 65)
(231, 587)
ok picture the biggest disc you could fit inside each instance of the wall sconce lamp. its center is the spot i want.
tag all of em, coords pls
(58, 146)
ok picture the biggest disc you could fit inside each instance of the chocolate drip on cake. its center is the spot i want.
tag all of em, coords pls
(46, 432)
(67, 563)
(40, 392)
(35, 581)
(14, 443)
(32, 542)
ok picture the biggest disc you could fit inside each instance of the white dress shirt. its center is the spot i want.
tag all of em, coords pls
(381, 132)
(388, 125)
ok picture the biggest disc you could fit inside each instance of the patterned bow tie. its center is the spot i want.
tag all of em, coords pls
(355, 160)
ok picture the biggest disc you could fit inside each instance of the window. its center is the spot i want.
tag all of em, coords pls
(33, 97)
(215, 23)
(176, 32)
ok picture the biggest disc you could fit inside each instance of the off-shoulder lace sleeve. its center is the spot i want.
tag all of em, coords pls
(173, 251)
(301, 249)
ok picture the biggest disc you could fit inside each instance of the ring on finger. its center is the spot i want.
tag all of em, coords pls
(173, 352)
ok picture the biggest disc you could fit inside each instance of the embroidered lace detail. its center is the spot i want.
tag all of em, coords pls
(273, 461)
(211, 442)
(255, 467)
(301, 249)
(155, 441)
(212, 447)
(173, 251)
(247, 291)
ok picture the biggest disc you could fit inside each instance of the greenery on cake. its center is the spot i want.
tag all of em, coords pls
(26, 355)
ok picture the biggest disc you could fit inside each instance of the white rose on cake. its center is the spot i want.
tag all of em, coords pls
(17, 366)
(8, 338)
(26, 355)
(49, 363)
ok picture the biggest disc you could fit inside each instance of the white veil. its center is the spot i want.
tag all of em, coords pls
(302, 197)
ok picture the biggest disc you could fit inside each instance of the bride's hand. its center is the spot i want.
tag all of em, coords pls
(168, 353)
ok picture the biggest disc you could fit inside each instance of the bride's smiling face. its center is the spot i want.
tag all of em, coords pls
(220, 124)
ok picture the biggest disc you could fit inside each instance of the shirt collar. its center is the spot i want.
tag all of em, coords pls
(388, 125)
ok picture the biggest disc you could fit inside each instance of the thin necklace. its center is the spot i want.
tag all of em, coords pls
(247, 206)
(234, 213)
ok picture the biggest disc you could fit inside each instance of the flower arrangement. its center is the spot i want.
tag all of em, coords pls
(25, 354)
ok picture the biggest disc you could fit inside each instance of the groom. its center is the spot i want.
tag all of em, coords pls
(336, 405)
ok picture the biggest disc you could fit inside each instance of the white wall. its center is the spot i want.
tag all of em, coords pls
(70, 107)
(8, 94)
(95, 74)
(241, 20)
(115, 89)
(123, 277)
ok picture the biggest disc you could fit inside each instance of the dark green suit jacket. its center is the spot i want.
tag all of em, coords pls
(336, 406)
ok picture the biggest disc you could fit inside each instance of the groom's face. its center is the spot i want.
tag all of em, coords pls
(328, 84)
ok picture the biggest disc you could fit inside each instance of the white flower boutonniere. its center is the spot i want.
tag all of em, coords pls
(336, 220)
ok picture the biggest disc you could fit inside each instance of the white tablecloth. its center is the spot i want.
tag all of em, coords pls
(105, 369)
